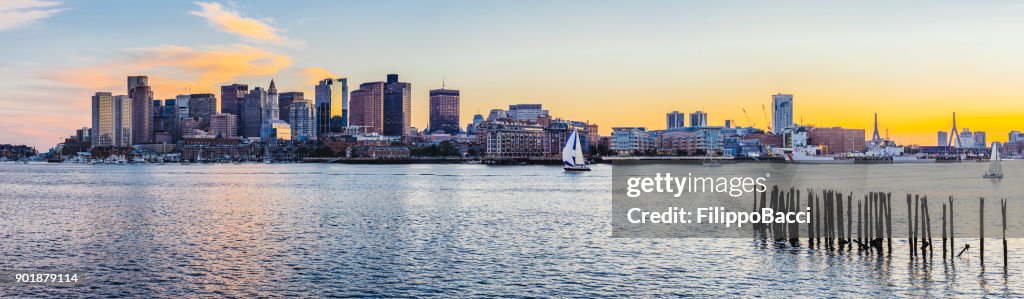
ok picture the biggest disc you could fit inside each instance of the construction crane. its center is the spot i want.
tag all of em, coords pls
(765, 113)
(748, 118)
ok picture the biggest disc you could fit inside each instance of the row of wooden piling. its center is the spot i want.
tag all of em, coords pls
(831, 223)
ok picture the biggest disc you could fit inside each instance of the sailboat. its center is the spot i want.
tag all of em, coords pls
(572, 154)
(995, 168)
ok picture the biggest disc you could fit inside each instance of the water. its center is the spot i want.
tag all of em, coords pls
(300, 230)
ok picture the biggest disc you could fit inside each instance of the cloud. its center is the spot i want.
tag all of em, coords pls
(315, 74)
(177, 69)
(230, 21)
(17, 13)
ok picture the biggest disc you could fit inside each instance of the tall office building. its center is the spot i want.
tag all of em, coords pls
(224, 124)
(302, 116)
(251, 118)
(366, 108)
(202, 106)
(284, 103)
(782, 112)
(232, 98)
(136, 81)
(698, 119)
(943, 139)
(331, 100)
(980, 140)
(271, 110)
(1016, 136)
(397, 107)
(111, 120)
(142, 111)
(444, 110)
(675, 120)
(497, 114)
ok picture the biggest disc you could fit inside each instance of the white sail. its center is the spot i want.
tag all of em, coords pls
(569, 151)
(994, 166)
(578, 150)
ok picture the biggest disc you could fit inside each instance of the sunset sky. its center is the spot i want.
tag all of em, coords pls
(616, 63)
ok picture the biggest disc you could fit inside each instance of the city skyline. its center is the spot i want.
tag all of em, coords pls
(914, 77)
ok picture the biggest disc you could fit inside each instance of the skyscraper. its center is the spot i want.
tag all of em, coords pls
(367, 107)
(1016, 136)
(477, 119)
(142, 111)
(284, 102)
(698, 119)
(397, 107)
(782, 112)
(302, 116)
(252, 112)
(980, 140)
(202, 106)
(675, 120)
(111, 120)
(332, 105)
(232, 98)
(444, 110)
(943, 139)
(271, 109)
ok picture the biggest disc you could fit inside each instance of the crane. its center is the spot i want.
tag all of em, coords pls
(748, 118)
(765, 113)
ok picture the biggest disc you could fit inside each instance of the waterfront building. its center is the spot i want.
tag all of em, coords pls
(251, 118)
(526, 112)
(698, 119)
(558, 131)
(142, 111)
(632, 140)
(302, 116)
(444, 110)
(189, 127)
(943, 139)
(782, 112)
(379, 152)
(837, 140)
(675, 120)
(397, 107)
(202, 106)
(504, 141)
(767, 139)
(111, 120)
(276, 129)
(366, 108)
(224, 125)
(284, 104)
(699, 140)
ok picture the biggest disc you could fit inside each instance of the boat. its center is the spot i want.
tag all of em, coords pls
(995, 167)
(911, 159)
(808, 154)
(572, 154)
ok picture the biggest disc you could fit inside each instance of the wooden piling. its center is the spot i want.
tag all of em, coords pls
(944, 231)
(888, 220)
(981, 230)
(952, 236)
(917, 215)
(849, 222)
(1005, 258)
(860, 225)
(928, 227)
(839, 220)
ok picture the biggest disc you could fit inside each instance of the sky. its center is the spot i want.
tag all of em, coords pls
(614, 63)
